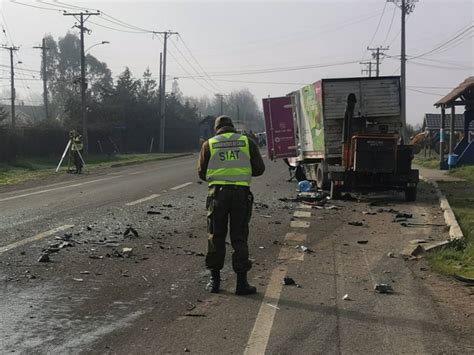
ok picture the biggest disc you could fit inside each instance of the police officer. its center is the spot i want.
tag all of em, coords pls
(227, 162)
(76, 148)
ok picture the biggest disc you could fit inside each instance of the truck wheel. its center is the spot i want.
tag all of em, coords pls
(322, 176)
(335, 193)
(410, 194)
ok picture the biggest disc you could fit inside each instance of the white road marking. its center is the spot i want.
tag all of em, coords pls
(144, 199)
(302, 214)
(137, 172)
(262, 328)
(181, 186)
(35, 238)
(57, 188)
(299, 224)
(295, 237)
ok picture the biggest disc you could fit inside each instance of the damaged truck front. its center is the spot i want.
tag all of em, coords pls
(346, 134)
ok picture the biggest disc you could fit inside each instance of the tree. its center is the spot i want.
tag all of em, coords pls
(64, 78)
(3, 114)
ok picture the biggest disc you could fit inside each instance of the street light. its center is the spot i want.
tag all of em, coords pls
(97, 44)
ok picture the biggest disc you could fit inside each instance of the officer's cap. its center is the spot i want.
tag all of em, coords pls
(223, 121)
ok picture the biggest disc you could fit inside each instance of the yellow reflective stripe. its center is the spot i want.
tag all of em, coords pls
(238, 183)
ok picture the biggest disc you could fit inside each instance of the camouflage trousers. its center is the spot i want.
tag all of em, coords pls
(228, 206)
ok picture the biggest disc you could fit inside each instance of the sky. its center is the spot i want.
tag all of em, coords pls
(269, 47)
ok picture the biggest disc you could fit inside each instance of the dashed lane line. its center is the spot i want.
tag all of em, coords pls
(262, 328)
(34, 238)
(144, 199)
(58, 188)
(299, 224)
(258, 340)
(181, 186)
(302, 214)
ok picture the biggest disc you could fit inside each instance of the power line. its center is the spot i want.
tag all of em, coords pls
(425, 92)
(197, 62)
(248, 81)
(279, 69)
(444, 43)
(35, 6)
(377, 28)
(211, 85)
(389, 27)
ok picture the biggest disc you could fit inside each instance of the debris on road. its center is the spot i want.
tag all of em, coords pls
(390, 254)
(304, 249)
(130, 231)
(127, 252)
(288, 281)
(44, 258)
(362, 241)
(77, 280)
(356, 224)
(369, 213)
(383, 288)
(84, 272)
(167, 205)
(404, 215)
(346, 297)
(265, 216)
(260, 206)
(29, 275)
(153, 212)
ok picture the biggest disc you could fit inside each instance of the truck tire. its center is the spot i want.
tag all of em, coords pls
(322, 176)
(410, 194)
(335, 192)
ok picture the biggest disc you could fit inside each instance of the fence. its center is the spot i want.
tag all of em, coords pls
(36, 142)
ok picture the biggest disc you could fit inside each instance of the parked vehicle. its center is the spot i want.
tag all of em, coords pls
(345, 134)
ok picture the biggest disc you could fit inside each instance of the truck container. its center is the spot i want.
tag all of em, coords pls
(348, 134)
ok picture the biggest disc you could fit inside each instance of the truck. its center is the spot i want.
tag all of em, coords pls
(345, 133)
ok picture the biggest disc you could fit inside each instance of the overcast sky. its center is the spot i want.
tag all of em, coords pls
(230, 38)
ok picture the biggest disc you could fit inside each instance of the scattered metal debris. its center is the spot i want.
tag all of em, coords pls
(44, 258)
(153, 212)
(362, 241)
(130, 231)
(346, 297)
(383, 288)
(127, 252)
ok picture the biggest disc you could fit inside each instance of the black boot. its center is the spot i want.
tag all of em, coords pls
(214, 282)
(243, 287)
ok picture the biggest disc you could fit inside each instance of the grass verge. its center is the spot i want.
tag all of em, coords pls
(459, 259)
(23, 170)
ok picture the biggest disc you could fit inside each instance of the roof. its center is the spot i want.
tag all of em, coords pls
(464, 90)
(432, 121)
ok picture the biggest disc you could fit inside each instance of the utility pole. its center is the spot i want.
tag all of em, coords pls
(12, 79)
(369, 66)
(406, 7)
(45, 82)
(165, 34)
(377, 53)
(221, 97)
(82, 17)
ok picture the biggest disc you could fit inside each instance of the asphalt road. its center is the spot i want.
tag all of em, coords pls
(93, 299)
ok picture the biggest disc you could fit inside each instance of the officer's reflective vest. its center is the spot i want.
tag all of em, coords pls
(229, 163)
(77, 143)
